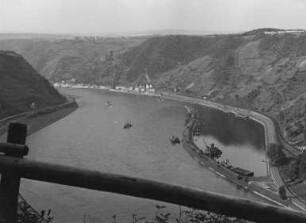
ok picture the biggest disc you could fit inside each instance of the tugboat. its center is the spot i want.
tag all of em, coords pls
(127, 125)
(174, 140)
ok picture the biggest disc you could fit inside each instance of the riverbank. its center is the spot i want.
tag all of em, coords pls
(247, 183)
(36, 120)
(271, 135)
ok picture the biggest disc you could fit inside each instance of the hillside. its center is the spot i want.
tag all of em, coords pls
(81, 58)
(253, 70)
(21, 85)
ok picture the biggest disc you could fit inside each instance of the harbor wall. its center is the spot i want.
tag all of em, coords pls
(245, 183)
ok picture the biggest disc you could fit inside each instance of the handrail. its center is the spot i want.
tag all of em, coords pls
(137, 187)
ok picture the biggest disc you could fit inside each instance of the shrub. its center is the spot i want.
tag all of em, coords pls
(282, 192)
(276, 155)
(302, 165)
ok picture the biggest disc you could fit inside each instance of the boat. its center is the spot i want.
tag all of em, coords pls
(127, 125)
(108, 103)
(242, 172)
(174, 140)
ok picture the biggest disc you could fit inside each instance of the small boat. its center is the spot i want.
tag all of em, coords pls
(174, 140)
(108, 103)
(127, 125)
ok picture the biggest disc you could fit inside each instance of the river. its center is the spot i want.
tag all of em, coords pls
(92, 137)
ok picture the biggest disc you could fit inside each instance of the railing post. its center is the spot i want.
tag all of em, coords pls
(10, 181)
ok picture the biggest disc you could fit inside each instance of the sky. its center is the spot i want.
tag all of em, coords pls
(119, 16)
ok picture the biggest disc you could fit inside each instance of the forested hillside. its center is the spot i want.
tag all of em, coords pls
(21, 85)
(256, 70)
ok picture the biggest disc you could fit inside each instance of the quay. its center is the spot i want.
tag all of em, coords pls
(247, 183)
(272, 135)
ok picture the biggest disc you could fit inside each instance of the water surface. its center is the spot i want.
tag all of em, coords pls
(92, 137)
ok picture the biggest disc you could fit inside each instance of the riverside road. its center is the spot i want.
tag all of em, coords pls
(270, 137)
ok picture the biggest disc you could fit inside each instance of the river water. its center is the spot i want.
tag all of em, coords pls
(92, 137)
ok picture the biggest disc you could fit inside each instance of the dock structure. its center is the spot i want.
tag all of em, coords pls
(273, 134)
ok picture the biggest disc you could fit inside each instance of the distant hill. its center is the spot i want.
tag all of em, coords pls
(261, 31)
(161, 54)
(34, 36)
(81, 58)
(21, 85)
(263, 69)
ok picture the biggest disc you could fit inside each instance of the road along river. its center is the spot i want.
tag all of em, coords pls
(92, 137)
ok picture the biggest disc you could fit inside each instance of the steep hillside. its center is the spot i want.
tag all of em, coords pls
(253, 70)
(263, 69)
(64, 59)
(21, 85)
(160, 54)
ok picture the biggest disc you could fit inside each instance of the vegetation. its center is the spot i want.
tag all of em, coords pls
(296, 170)
(21, 86)
(163, 216)
(294, 174)
(79, 58)
(252, 70)
(282, 192)
(276, 155)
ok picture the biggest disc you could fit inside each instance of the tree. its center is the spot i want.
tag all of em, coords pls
(282, 192)
(275, 154)
(293, 170)
(302, 165)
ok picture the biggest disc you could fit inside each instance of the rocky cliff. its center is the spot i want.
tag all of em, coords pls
(21, 85)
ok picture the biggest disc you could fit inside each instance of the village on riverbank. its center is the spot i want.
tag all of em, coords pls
(263, 187)
(271, 187)
(141, 89)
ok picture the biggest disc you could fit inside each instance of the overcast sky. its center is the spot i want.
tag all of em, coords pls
(111, 16)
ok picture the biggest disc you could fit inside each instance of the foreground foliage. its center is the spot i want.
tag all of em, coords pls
(186, 215)
(276, 154)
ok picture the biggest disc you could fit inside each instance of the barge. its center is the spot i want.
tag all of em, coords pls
(242, 172)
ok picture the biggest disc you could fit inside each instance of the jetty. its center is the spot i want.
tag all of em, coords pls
(241, 177)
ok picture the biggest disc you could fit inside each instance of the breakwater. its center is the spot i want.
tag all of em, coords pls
(269, 128)
(246, 183)
(272, 135)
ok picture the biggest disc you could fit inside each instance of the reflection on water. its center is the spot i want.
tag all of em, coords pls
(93, 137)
(230, 130)
(241, 141)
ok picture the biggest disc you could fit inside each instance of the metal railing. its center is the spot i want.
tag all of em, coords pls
(13, 167)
